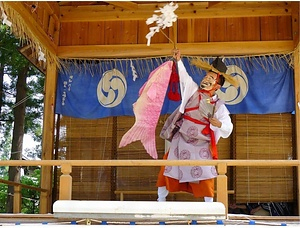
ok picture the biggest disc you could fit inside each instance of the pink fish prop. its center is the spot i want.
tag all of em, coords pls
(147, 109)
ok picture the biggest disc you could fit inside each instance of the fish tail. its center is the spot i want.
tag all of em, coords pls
(140, 133)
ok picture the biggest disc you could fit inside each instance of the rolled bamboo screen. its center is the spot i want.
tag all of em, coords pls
(254, 137)
(264, 137)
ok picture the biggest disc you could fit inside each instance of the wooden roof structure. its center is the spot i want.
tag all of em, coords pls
(117, 29)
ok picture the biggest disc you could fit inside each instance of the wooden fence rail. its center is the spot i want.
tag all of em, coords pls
(65, 188)
(18, 195)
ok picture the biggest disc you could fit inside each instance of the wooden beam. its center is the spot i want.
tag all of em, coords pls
(214, 3)
(185, 11)
(152, 163)
(125, 5)
(297, 112)
(30, 55)
(51, 7)
(48, 135)
(32, 27)
(295, 23)
(142, 50)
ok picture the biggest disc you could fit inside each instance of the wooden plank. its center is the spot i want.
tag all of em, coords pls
(201, 27)
(284, 28)
(217, 30)
(182, 26)
(268, 28)
(184, 11)
(234, 29)
(51, 29)
(142, 31)
(190, 28)
(142, 50)
(252, 33)
(189, 31)
(129, 32)
(40, 17)
(45, 20)
(112, 32)
(22, 185)
(51, 7)
(79, 33)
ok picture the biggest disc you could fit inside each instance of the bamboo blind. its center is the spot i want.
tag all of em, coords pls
(264, 137)
(88, 140)
(137, 178)
(254, 137)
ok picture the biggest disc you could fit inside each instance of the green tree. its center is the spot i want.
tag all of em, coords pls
(21, 105)
(30, 198)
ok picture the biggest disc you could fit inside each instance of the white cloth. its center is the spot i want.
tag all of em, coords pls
(162, 193)
(208, 199)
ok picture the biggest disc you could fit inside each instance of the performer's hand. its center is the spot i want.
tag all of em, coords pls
(215, 122)
(176, 54)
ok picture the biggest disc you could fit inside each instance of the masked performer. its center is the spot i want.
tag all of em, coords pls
(194, 129)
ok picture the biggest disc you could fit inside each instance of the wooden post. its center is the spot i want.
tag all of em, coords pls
(297, 113)
(296, 29)
(17, 199)
(222, 195)
(48, 136)
(65, 188)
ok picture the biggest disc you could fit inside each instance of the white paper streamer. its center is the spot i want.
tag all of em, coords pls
(5, 20)
(163, 21)
(134, 74)
(41, 55)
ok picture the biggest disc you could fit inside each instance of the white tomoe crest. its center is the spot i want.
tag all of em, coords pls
(163, 21)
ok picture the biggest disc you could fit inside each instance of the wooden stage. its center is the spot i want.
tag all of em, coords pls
(233, 220)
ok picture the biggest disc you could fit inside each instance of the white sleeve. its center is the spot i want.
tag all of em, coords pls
(187, 85)
(225, 130)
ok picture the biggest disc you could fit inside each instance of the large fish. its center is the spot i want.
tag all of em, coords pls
(147, 109)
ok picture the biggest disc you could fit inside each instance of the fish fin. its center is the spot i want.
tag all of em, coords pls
(142, 88)
(152, 92)
(143, 134)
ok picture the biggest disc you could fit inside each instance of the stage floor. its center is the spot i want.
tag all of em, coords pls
(233, 220)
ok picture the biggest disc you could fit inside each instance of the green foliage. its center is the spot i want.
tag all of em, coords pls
(3, 193)
(12, 62)
(30, 198)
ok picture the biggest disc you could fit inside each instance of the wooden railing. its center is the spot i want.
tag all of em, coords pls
(65, 188)
(18, 194)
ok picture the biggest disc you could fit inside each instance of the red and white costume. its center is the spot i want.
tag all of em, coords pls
(196, 139)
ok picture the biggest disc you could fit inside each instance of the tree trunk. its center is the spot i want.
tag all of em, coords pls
(14, 172)
(1, 87)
